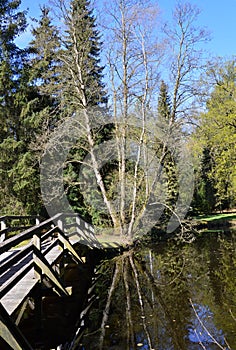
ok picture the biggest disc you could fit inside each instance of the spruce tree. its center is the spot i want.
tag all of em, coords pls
(164, 111)
(21, 107)
(45, 63)
(164, 104)
(12, 24)
(82, 73)
(81, 89)
(41, 71)
(44, 67)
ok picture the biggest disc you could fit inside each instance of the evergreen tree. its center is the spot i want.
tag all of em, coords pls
(45, 64)
(164, 104)
(81, 88)
(81, 72)
(12, 24)
(164, 111)
(22, 113)
(204, 195)
(12, 93)
(41, 67)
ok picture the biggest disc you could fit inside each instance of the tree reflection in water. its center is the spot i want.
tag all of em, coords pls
(174, 296)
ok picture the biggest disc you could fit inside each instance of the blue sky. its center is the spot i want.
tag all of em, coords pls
(217, 16)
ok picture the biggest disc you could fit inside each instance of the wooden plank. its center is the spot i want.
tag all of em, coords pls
(13, 241)
(10, 258)
(67, 245)
(43, 263)
(19, 280)
(53, 253)
(84, 237)
(14, 275)
(11, 333)
(15, 296)
(17, 271)
(7, 255)
(22, 310)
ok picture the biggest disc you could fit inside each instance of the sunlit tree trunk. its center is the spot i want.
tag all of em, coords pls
(141, 303)
(133, 61)
(115, 279)
(129, 321)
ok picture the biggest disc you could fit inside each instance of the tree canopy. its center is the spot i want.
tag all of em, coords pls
(217, 133)
(129, 164)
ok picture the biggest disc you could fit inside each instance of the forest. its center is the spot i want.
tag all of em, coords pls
(115, 114)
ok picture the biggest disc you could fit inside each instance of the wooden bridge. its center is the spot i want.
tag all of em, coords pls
(28, 257)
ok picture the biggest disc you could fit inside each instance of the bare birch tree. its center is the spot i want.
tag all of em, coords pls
(133, 56)
(82, 92)
(127, 171)
(186, 58)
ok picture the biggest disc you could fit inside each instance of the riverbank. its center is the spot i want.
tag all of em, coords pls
(217, 220)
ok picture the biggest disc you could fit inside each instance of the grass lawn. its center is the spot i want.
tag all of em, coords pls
(214, 217)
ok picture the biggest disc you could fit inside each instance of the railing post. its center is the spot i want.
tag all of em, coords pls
(77, 220)
(60, 223)
(37, 246)
(3, 227)
(37, 241)
(37, 221)
(3, 224)
(38, 275)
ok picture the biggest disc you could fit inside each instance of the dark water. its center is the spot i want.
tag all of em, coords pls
(167, 296)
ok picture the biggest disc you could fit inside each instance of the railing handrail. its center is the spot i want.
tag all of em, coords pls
(48, 242)
(20, 217)
(26, 234)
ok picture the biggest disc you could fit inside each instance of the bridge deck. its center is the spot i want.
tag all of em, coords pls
(28, 256)
(24, 268)
(17, 295)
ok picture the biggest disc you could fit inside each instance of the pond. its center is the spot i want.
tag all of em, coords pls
(166, 296)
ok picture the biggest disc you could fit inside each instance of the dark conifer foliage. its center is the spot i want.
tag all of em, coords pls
(81, 76)
(45, 64)
(12, 95)
(164, 103)
(22, 114)
(12, 24)
(59, 77)
(82, 73)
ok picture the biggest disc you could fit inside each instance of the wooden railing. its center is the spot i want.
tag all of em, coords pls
(11, 223)
(31, 254)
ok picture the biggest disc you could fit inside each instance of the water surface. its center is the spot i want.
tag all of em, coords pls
(167, 296)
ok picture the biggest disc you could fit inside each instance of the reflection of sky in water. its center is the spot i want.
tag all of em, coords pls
(151, 306)
(202, 333)
(205, 332)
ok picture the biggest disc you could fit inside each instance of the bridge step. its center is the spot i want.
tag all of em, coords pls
(16, 295)
(40, 248)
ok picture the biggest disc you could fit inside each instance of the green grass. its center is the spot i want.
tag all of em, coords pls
(213, 217)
